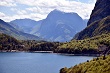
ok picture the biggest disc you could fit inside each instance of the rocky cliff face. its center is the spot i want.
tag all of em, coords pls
(101, 10)
(99, 21)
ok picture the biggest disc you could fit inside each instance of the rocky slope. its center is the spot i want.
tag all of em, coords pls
(99, 21)
(101, 10)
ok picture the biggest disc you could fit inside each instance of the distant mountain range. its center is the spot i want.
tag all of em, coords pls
(25, 25)
(8, 29)
(58, 26)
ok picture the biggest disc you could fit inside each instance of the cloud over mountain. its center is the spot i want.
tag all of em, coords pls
(39, 9)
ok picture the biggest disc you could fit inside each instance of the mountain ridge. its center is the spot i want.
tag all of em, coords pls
(25, 25)
(9, 30)
(58, 26)
(100, 11)
(99, 21)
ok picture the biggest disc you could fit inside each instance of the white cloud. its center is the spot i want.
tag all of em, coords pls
(21, 12)
(33, 16)
(2, 14)
(8, 3)
(39, 9)
(35, 9)
(10, 18)
(44, 7)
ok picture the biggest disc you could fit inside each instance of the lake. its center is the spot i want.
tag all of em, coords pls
(37, 62)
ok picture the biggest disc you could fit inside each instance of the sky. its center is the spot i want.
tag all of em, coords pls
(39, 9)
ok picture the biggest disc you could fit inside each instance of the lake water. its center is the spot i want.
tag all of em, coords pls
(37, 62)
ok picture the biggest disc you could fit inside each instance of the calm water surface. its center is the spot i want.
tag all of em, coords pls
(37, 62)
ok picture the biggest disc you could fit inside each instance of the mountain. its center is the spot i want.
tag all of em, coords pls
(36, 28)
(101, 10)
(99, 21)
(60, 26)
(16, 26)
(86, 20)
(95, 36)
(25, 25)
(8, 29)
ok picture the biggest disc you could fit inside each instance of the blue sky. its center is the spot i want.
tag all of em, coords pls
(39, 9)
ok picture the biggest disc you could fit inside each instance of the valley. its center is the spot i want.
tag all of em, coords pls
(61, 34)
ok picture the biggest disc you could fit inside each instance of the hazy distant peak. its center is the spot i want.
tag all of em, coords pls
(63, 12)
(62, 26)
(55, 14)
(25, 19)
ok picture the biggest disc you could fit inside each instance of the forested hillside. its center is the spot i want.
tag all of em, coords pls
(94, 39)
(95, 45)
(97, 65)
(8, 43)
(33, 46)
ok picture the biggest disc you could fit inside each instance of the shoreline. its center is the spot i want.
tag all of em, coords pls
(94, 55)
(41, 51)
(65, 54)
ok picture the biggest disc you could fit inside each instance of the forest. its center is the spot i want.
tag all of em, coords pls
(33, 45)
(95, 45)
(97, 65)
(8, 43)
